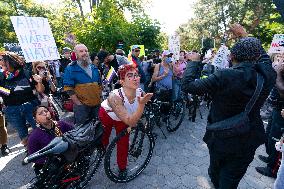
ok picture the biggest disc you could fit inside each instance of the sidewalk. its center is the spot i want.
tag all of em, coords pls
(180, 161)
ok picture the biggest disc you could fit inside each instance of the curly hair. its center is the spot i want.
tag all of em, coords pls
(14, 60)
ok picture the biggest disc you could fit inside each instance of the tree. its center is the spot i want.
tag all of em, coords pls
(214, 22)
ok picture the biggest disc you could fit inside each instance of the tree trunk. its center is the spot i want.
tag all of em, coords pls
(81, 9)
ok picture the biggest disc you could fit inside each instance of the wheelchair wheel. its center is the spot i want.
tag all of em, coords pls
(90, 164)
(141, 145)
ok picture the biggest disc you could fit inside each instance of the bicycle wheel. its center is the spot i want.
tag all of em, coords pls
(176, 115)
(139, 154)
(90, 164)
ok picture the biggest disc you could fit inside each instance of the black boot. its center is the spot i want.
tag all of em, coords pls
(5, 150)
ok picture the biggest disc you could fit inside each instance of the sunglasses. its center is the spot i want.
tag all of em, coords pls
(40, 68)
(137, 50)
(132, 75)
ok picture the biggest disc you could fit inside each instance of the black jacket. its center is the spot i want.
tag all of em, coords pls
(231, 89)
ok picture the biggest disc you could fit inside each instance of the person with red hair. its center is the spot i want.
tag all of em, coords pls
(123, 108)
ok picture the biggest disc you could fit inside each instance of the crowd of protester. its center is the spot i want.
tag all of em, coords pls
(25, 91)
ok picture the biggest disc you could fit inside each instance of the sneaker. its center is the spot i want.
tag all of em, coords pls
(23, 162)
(122, 174)
(5, 150)
(266, 172)
(263, 158)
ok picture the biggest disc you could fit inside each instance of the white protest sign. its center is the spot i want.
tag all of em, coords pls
(174, 46)
(35, 37)
(277, 45)
(221, 58)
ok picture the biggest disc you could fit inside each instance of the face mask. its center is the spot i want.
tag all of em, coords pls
(168, 60)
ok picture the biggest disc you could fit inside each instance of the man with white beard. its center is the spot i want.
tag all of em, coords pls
(82, 83)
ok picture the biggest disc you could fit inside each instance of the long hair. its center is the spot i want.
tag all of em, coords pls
(35, 64)
(12, 59)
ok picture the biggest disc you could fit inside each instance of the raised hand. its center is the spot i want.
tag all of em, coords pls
(37, 78)
(143, 100)
(238, 30)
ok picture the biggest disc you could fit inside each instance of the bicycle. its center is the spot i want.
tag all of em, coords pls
(72, 159)
(139, 152)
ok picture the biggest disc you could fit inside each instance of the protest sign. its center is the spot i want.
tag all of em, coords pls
(35, 37)
(277, 45)
(174, 46)
(221, 58)
(70, 39)
(13, 47)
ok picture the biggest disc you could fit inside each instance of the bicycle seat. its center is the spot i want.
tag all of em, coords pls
(56, 146)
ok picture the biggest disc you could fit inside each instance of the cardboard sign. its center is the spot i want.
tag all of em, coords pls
(174, 46)
(35, 37)
(277, 45)
(13, 47)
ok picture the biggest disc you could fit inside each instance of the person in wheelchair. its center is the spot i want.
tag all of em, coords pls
(123, 108)
(47, 129)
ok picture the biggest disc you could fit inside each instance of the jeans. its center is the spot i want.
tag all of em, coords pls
(226, 170)
(17, 116)
(176, 89)
(82, 113)
(59, 82)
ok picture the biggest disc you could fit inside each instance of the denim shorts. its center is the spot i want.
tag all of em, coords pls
(18, 116)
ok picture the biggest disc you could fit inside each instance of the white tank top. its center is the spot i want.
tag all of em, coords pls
(131, 108)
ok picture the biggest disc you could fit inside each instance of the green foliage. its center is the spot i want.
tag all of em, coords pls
(213, 17)
(100, 29)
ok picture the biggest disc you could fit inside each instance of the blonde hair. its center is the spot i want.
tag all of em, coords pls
(35, 64)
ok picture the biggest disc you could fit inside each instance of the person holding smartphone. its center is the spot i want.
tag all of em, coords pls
(39, 68)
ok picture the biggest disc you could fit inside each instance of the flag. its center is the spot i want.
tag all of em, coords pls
(111, 73)
(4, 91)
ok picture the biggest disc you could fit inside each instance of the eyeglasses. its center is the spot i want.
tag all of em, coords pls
(40, 68)
(132, 75)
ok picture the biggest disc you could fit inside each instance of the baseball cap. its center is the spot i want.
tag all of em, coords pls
(66, 49)
(166, 53)
(135, 47)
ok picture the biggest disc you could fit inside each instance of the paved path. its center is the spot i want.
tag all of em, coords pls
(180, 161)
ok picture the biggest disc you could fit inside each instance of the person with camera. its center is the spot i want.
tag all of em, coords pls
(40, 68)
(17, 92)
(234, 128)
